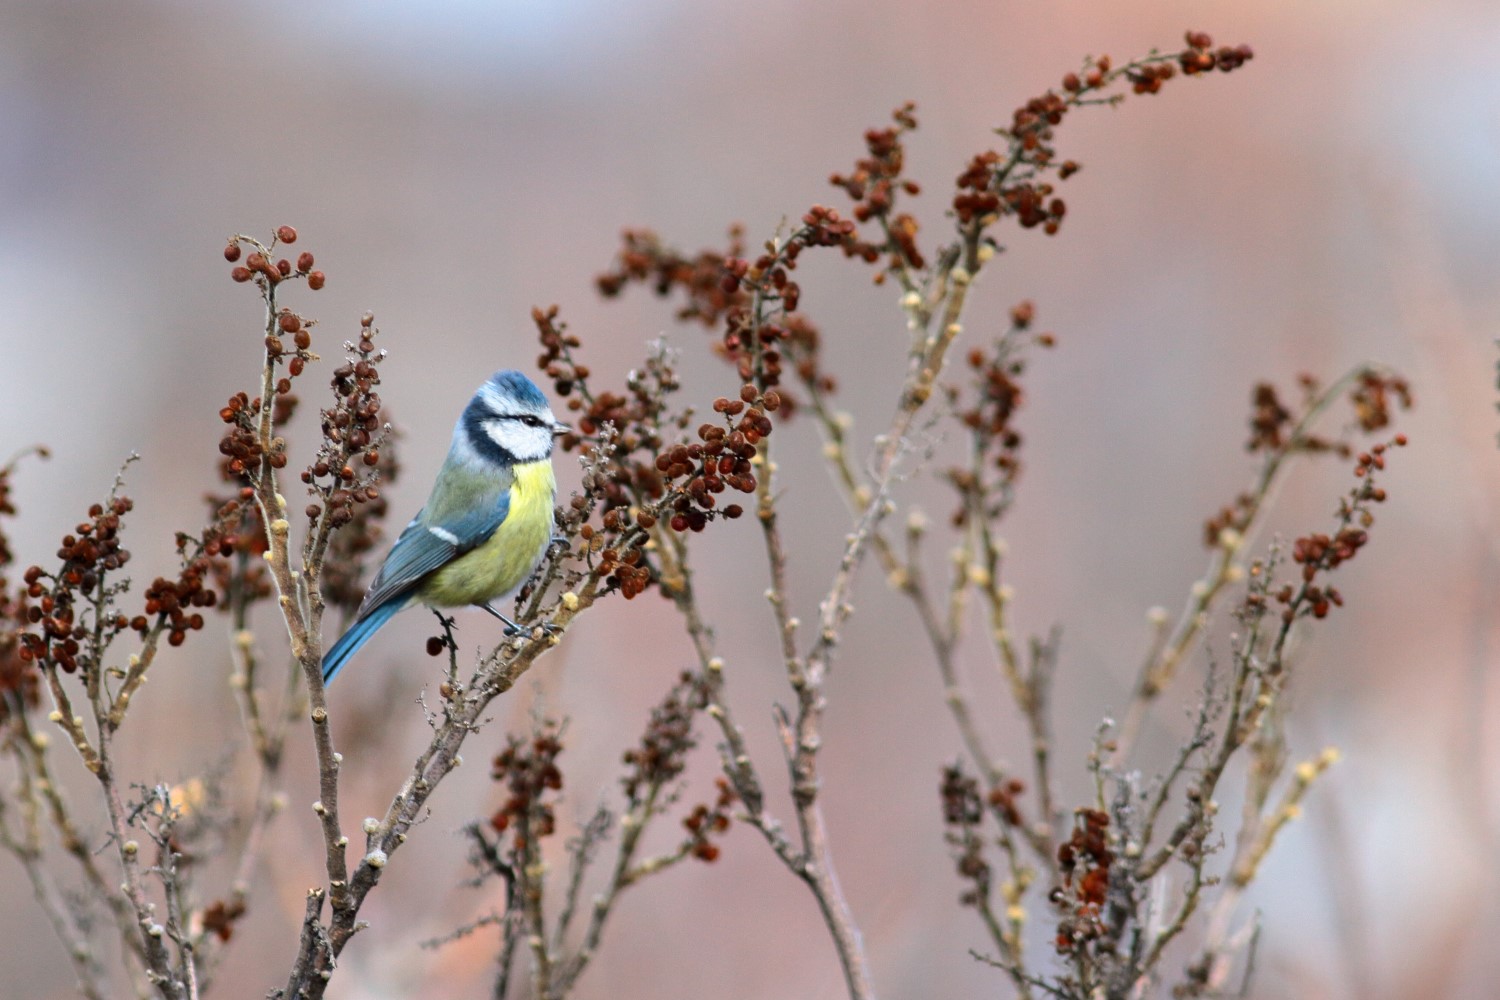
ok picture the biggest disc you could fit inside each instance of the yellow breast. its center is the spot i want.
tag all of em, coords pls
(503, 562)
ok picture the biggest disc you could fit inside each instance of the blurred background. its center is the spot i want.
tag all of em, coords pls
(453, 164)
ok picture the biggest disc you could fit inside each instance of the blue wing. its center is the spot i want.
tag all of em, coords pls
(422, 548)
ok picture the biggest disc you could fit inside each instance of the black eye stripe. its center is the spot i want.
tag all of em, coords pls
(525, 418)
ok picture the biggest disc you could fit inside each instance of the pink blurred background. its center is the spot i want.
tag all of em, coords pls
(452, 165)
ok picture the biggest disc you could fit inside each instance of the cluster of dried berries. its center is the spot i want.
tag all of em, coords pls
(258, 264)
(962, 804)
(1201, 57)
(995, 184)
(60, 600)
(1233, 516)
(239, 570)
(528, 770)
(1319, 553)
(633, 475)
(1084, 861)
(1272, 422)
(638, 414)
(996, 443)
(708, 820)
(1373, 398)
(874, 185)
(1269, 419)
(620, 475)
(720, 459)
(64, 602)
(662, 753)
(755, 300)
(1002, 801)
(556, 358)
(963, 811)
(20, 684)
(241, 445)
(288, 341)
(172, 602)
(289, 324)
(219, 917)
(1274, 428)
(981, 195)
(343, 576)
(801, 342)
(644, 259)
(345, 471)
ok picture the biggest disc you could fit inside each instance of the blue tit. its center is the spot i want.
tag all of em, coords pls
(486, 524)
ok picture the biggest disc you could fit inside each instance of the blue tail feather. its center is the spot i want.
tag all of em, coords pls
(358, 633)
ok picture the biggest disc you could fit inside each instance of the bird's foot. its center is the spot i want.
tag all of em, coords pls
(548, 628)
(512, 630)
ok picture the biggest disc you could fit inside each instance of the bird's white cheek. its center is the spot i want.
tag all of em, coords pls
(525, 443)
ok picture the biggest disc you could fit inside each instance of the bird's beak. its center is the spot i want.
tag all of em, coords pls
(559, 428)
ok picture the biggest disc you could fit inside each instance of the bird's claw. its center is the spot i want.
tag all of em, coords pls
(512, 630)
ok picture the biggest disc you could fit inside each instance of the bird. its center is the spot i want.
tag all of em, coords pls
(485, 526)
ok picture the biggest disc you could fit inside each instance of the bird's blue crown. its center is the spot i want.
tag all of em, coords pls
(511, 384)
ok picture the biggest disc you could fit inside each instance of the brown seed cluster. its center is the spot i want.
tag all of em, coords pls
(556, 358)
(634, 476)
(620, 474)
(962, 804)
(1235, 515)
(175, 602)
(59, 600)
(1272, 422)
(242, 445)
(343, 576)
(342, 477)
(720, 459)
(982, 197)
(1276, 427)
(996, 184)
(20, 683)
(64, 602)
(963, 811)
(288, 343)
(708, 820)
(1374, 397)
(1084, 861)
(1003, 801)
(645, 259)
(219, 917)
(1200, 56)
(754, 300)
(260, 268)
(637, 414)
(528, 770)
(661, 755)
(874, 185)
(1320, 553)
(239, 570)
(997, 395)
